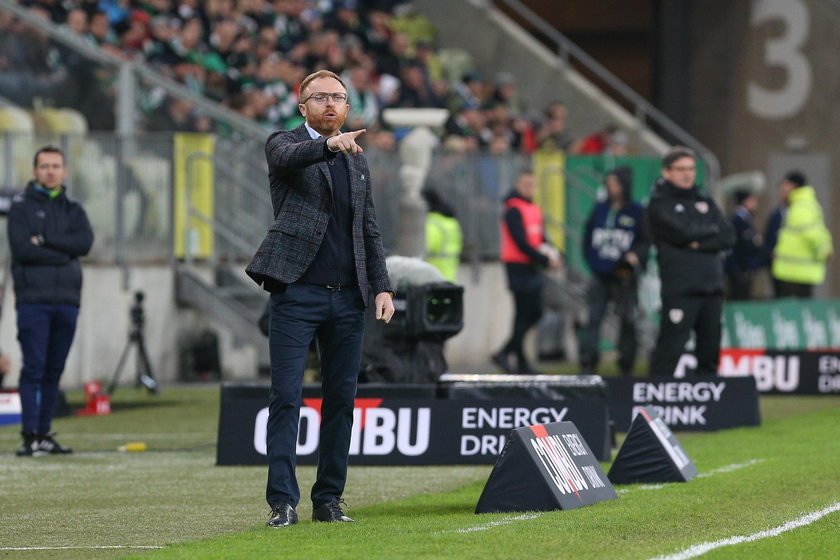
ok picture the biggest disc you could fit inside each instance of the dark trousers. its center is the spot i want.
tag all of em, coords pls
(794, 289)
(679, 317)
(336, 317)
(623, 295)
(45, 333)
(527, 313)
(740, 284)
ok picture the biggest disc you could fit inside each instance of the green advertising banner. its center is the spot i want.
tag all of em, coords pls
(787, 324)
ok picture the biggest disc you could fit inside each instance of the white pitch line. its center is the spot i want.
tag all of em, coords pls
(490, 525)
(641, 487)
(76, 547)
(724, 469)
(730, 468)
(509, 520)
(703, 548)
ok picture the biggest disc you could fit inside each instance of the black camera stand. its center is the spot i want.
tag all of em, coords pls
(145, 376)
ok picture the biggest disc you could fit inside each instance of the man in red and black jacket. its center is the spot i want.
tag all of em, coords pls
(525, 253)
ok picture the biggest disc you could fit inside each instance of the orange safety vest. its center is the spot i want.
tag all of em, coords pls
(532, 219)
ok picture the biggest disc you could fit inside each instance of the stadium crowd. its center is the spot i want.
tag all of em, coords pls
(251, 55)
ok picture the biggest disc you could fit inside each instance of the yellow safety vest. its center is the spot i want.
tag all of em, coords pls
(443, 244)
(804, 242)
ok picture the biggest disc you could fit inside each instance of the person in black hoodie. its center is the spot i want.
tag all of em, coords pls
(48, 232)
(690, 233)
(525, 252)
(615, 246)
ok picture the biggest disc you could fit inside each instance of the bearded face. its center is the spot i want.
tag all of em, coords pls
(328, 116)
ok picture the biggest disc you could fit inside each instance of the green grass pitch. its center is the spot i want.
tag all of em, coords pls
(172, 502)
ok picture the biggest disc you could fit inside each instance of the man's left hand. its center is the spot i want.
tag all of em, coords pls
(384, 306)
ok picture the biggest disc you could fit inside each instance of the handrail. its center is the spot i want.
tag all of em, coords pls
(641, 107)
(72, 40)
(227, 233)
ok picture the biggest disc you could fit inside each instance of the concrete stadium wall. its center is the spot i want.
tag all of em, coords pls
(104, 323)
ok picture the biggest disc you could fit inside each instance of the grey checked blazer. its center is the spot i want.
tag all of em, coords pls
(301, 185)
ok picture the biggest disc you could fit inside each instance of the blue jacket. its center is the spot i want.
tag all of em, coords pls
(48, 272)
(609, 235)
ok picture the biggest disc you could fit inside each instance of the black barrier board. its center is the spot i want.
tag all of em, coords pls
(405, 431)
(690, 404)
(542, 468)
(811, 372)
(651, 453)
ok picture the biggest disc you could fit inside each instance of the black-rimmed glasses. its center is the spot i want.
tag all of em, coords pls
(321, 97)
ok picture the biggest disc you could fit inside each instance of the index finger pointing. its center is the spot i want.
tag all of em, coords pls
(355, 133)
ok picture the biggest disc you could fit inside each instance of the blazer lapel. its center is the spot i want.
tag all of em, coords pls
(322, 165)
(357, 180)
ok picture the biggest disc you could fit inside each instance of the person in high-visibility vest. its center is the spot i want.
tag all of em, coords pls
(525, 252)
(444, 240)
(804, 243)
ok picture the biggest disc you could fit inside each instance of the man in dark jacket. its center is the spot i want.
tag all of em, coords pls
(615, 245)
(690, 234)
(525, 253)
(747, 257)
(48, 232)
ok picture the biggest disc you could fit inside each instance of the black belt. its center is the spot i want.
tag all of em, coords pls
(337, 287)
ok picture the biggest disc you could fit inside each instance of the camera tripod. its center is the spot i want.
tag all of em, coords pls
(145, 376)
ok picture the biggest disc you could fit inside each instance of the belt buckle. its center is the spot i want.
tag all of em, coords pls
(334, 287)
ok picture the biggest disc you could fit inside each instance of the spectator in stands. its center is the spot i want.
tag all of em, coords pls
(609, 140)
(77, 21)
(775, 220)
(177, 115)
(470, 92)
(804, 246)
(135, 33)
(552, 132)
(471, 126)
(116, 10)
(377, 37)
(102, 35)
(747, 257)
(364, 104)
(56, 10)
(415, 91)
(507, 94)
(615, 246)
(525, 252)
(48, 232)
(29, 66)
(424, 54)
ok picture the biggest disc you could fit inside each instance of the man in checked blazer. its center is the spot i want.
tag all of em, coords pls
(321, 258)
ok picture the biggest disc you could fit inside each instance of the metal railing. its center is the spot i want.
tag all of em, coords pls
(643, 110)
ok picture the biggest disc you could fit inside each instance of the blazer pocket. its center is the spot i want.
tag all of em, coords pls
(284, 226)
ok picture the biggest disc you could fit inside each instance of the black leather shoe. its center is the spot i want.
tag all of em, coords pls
(331, 513)
(282, 515)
